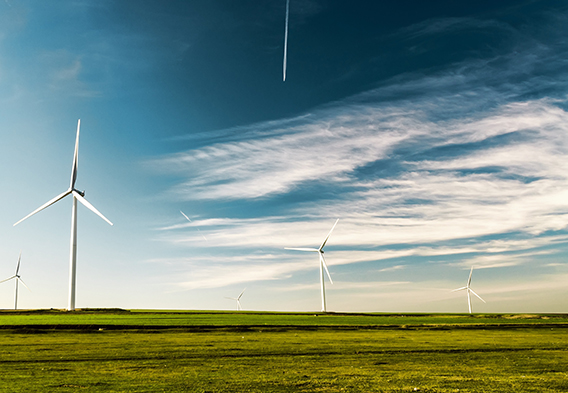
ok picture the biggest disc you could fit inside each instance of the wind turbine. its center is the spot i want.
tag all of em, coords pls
(469, 290)
(18, 280)
(323, 265)
(77, 196)
(238, 299)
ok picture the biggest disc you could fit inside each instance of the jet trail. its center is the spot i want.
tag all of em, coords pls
(202, 235)
(285, 41)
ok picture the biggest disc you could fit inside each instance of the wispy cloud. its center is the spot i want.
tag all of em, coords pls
(502, 260)
(203, 272)
(259, 259)
(393, 268)
(64, 73)
(468, 162)
(500, 173)
(433, 27)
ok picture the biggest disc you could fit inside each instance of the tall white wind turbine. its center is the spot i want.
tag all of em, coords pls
(77, 196)
(469, 290)
(323, 265)
(18, 280)
(238, 299)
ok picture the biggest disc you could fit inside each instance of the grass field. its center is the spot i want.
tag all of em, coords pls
(119, 351)
(146, 318)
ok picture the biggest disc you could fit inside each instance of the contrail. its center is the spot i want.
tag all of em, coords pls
(286, 41)
(203, 236)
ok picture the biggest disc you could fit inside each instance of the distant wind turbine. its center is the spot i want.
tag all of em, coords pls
(77, 196)
(18, 280)
(323, 265)
(238, 299)
(469, 290)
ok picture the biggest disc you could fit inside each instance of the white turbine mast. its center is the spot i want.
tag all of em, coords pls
(468, 289)
(238, 299)
(77, 196)
(18, 280)
(322, 265)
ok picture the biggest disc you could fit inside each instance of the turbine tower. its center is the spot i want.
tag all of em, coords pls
(322, 264)
(77, 196)
(238, 299)
(18, 280)
(469, 290)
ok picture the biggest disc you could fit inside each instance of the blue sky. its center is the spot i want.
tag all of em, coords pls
(437, 133)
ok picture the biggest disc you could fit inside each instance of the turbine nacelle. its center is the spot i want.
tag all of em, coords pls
(82, 193)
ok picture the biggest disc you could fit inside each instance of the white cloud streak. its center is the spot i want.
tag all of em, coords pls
(488, 186)
(517, 185)
(237, 266)
(219, 272)
(438, 165)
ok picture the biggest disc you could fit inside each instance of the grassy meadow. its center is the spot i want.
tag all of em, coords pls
(142, 351)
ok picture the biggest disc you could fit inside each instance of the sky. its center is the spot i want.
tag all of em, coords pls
(436, 132)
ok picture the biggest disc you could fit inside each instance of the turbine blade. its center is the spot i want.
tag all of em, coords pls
(459, 289)
(469, 279)
(469, 300)
(51, 202)
(18, 267)
(241, 294)
(75, 158)
(472, 291)
(22, 281)
(302, 249)
(8, 279)
(232, 298)
(328, 235)
(89, 206)
(322, 260)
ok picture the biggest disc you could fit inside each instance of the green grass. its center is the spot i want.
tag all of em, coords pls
(337, 355)
(225, 318)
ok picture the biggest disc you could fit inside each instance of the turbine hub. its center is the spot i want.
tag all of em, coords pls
(82, 193)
